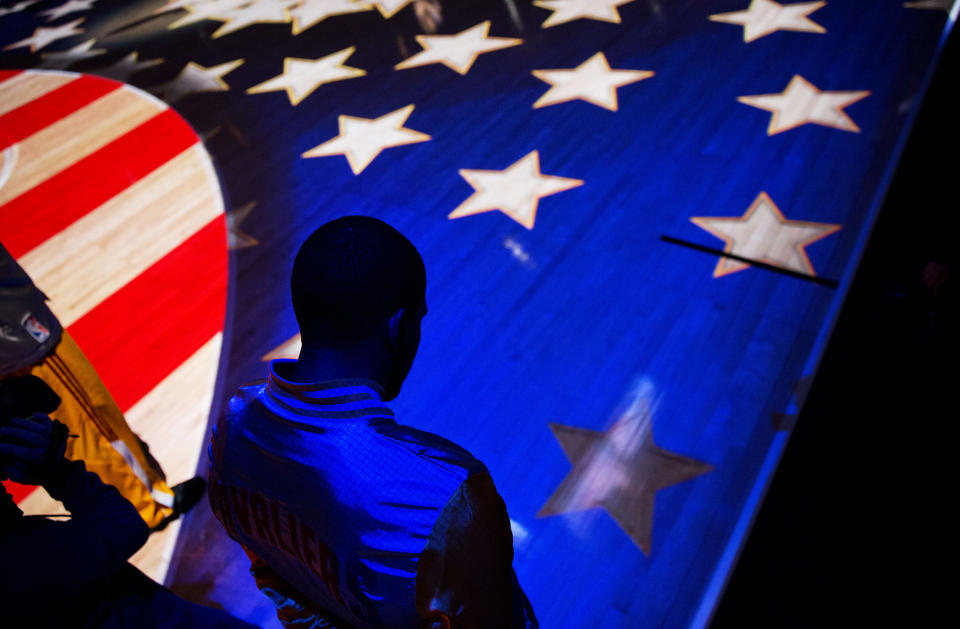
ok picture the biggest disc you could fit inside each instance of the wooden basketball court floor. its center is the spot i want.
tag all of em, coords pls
(639, 221)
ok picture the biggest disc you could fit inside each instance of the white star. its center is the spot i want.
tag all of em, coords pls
(569, 10)
(457, 52)
(236, 237)
(942, 5)
(301, 76)
(123, 69)
(765, 17)
(66, 58)
(44, 36)
(264, 11)
(288, 349)
(765, 235)
(20, 6)
(306, 14)
(621, 469)
(218, 10)
(71, 6)
(196, 78)
(592, 81)
(362, 139)
(389, 8)
(173, 5)
(193, 5)
(515, 191)
(802, 103)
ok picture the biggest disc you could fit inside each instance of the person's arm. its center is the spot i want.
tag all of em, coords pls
(465, 575)
(104, 529)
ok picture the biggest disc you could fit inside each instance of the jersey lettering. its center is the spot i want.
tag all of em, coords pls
(259, 508)
(235, 507)
(240, 508)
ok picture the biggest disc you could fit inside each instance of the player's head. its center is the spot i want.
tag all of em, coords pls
(356, 279)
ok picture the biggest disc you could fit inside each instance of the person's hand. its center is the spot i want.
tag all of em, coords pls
(32, 449)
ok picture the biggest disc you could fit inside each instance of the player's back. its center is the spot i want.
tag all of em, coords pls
(320, 482)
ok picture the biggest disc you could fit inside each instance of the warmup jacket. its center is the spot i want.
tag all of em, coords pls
(28, 330)
(351, 517)
(32, 341)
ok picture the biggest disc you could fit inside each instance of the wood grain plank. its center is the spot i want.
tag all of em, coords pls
(126, 235)
(159, 318)
(172, 418)
(22, 88)
(45, 209)
(72, 138)
(53, 106)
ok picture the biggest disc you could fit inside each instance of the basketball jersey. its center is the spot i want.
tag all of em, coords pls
(320, 482)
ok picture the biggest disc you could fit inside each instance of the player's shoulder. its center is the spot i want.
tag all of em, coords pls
(432, 447)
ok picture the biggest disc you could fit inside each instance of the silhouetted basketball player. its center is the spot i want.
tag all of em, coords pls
(347, 515)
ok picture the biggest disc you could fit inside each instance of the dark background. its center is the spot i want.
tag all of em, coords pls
(861, 519)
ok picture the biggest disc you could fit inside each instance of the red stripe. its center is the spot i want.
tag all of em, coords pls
(8, 74)
(141, 333)
(53, 205)
(18, 491)
(42, 112)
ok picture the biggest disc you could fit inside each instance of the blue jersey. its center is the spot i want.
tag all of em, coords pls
(360, 515)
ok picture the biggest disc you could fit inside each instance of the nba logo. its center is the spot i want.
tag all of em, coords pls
(37, 330)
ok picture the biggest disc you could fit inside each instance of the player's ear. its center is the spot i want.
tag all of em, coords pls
(396, 327)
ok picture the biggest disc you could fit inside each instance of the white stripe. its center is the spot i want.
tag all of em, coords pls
(172, 418)
(27, 86)
(100, 253)
(132, 461)
(162, 497)
(10, 155)
(70, 139)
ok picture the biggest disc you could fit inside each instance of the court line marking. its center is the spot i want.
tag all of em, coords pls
(823, 281)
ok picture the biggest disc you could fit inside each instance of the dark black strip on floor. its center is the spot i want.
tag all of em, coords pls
(823, 281)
